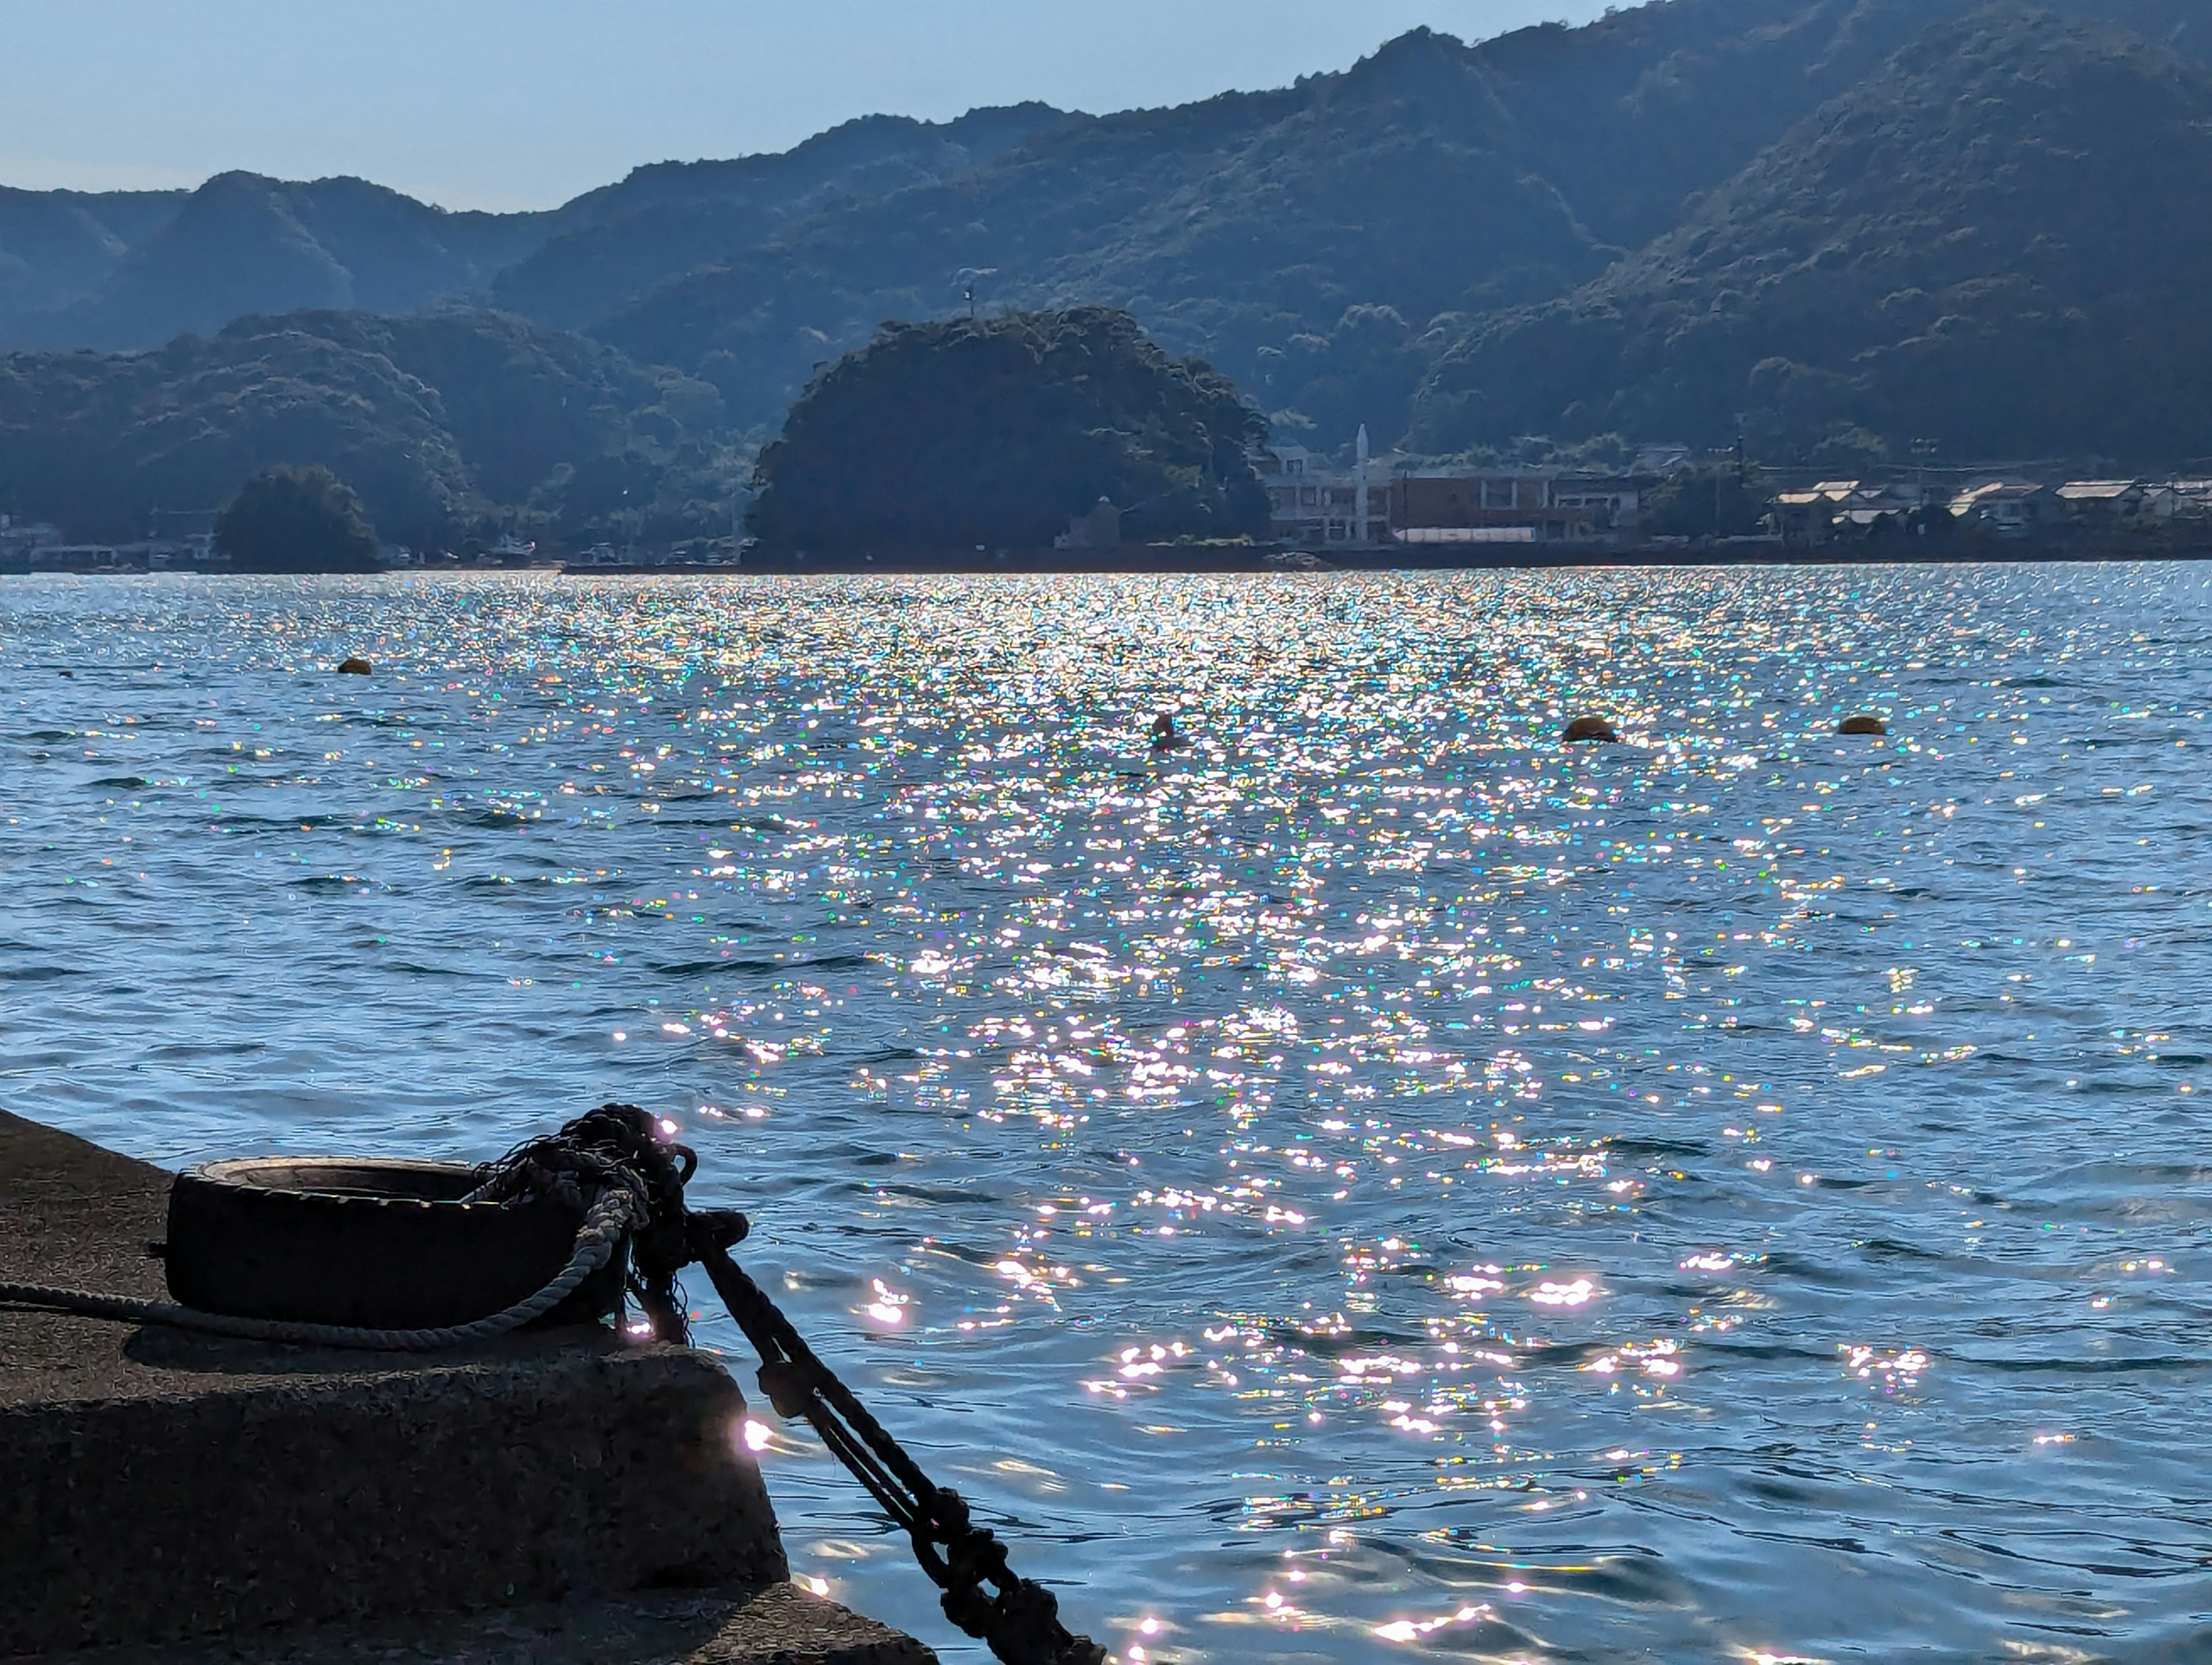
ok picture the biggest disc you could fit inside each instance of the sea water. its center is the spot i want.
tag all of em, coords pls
(1378, 1182)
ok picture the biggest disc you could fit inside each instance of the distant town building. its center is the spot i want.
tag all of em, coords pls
(1837, 509)
(1550, 507)
(19, 537)
(2009, 508)
(1311, 503)
(1419, 535)
(1613, 504)
(88, 558)
(2101, 499)
(1807, 515)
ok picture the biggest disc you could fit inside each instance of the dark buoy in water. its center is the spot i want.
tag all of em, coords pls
(1864, 723)
(1165, 737)
(1589, 728)
(354, 665)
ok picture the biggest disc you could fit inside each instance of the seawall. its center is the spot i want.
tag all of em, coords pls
(166, 1496)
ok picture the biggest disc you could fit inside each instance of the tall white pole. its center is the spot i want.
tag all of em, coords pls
(1359, 479)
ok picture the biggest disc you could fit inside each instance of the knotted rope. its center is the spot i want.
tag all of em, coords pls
(605, 1222)
(611, 1167)
(1018, 1617)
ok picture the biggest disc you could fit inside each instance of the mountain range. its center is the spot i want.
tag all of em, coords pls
(448, 424)
(1840, 226)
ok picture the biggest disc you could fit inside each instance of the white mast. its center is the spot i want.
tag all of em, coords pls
(1359, 479)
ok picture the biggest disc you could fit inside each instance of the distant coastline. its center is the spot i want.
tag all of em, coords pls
(1260, 560)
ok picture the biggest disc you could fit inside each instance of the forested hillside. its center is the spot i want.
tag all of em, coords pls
(1030, 415)
(242, 244)
(1988, 244)
(665, 220)
(1850, 223)
(1327, 246)
(448, 425)
(130, 270)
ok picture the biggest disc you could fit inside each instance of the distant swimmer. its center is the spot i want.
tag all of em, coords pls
(1164, 737)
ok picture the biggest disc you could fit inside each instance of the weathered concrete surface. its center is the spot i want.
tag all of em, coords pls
(156, 1486)
(778, 1626)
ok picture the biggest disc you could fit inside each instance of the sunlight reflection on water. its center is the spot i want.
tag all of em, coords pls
(1376, 1180)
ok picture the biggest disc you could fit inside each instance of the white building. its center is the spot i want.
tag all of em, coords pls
(2008, 508)
(1312, 503)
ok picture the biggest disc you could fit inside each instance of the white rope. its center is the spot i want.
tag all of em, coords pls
(611, 1216)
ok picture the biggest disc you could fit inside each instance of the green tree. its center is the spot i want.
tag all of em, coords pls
(1709, 500)
(995, 431)
(290, 520)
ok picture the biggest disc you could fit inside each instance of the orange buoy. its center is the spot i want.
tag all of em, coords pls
(1864, 723)
(1589, 728)
(354, 665)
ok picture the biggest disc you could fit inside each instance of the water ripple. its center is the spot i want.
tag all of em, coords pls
(1376, 1180)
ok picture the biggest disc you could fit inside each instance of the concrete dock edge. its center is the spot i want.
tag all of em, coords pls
(559, 1492)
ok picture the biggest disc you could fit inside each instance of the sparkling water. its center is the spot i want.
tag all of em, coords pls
(1375, 1182)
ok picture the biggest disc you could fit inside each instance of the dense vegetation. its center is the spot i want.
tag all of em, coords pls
(450, 426)
(995, 431)
(240, 244)
(1852, 223)
(129, 270)
(1329, 244)
(288, 520)
(1985, 245)
(1709, 500)
(674, 217)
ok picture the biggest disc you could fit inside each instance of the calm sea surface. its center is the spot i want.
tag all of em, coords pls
(1377, 1183)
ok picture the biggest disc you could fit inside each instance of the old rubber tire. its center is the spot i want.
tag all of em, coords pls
(375, 1244)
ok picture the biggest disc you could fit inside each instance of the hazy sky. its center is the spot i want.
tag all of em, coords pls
(524, 103)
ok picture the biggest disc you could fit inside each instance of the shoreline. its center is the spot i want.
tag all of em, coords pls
(1259, 561)
(1168, 560)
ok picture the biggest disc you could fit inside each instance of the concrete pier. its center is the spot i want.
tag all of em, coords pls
(173, 1498)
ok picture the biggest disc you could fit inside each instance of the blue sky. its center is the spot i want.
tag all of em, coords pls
(524, 103)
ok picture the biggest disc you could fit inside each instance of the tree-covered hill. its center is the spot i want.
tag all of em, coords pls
(448, 424)
(129, 270)
(1435, 241)
(242, 244)
(996, 431)
(1324, 244)
(672, 218)
(2001, 241)
(57, 245)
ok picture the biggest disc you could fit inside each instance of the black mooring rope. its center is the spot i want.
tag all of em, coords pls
(1018, 1617)
(610, 1162)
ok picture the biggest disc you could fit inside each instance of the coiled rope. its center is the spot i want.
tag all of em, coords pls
(612, 1197)
(597, 1240)
(628, 1184)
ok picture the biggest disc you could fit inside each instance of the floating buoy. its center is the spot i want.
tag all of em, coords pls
(354, 665)
(1589, 728)
(1865, 723)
